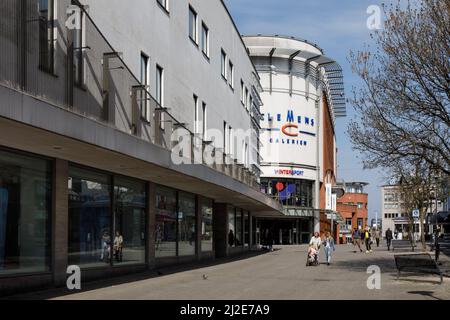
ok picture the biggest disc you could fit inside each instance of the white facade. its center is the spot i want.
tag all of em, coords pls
(294, 80)
(145, 27)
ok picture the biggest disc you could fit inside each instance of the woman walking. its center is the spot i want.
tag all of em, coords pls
(328, 244)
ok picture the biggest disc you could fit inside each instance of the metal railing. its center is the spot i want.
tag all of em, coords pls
(87, 76)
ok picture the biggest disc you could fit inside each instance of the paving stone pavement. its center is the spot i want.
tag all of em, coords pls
(278, 275)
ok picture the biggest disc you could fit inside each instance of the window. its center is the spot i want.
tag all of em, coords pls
(78, 52)
(166, 223)
(360, 205)
(144, 103)
(193, 25)
(25, 214)
(46, 35)
(246, 98)
(164, 4)
(239, 230)
(360, 222)
(186, 224)
(89, 218)
(231, 74)
(129, 222)
(231, 226)
(290, 192)
(224, 64)
(242, 92)
(159, 85)
(196, 115)
(225, 138)
(230, 142)
(205, 128)
(159, 96)
(246, 228)
(207, 225)
(205, 39)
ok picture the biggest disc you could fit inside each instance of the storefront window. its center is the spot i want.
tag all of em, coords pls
(25, 211)
(166, 223)
(238, 241)
(231, 226)
(90, 238)
(129, 217)
(207, 225)
(186, 224)
(290, 192)
(246, 228)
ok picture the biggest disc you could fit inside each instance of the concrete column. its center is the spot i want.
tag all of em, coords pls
(220, 229)
(60, 218)
(198, 227)
(151, 222)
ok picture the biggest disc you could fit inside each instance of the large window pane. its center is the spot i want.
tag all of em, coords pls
(25, 208)
(207, 225)
(129, 235)
(186, 224)
(166, 223)
(246, 228)
(90, 236)
(238, 241)
(231, 226)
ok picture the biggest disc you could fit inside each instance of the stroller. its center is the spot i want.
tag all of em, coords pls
(313, 257)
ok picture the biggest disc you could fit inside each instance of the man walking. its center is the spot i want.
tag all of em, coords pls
(377, 235)
(389, 238)
(357, 239)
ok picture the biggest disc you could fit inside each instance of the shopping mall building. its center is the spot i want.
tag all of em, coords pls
(303, 94)
(130, 137)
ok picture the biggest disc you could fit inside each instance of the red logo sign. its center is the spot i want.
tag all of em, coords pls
(286, 130)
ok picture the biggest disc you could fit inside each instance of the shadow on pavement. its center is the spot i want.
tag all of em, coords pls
(425, 294)
(124, 279)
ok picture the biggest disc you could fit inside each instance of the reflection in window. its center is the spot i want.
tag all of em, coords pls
(129, 233)
(238, 241)
(166, 223)
(231, 226)
(25, 211)
(290, 192)
(207, 227)
(89, 218)
(46, 35)
(246, 228)
(186, 225)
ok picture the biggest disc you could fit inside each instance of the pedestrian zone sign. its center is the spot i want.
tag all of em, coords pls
(416, 213)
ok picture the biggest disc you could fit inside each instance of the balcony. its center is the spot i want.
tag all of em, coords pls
(80, 72)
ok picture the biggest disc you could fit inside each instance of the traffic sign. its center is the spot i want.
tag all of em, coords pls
(416, 213)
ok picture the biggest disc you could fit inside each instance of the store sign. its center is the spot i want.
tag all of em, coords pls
(288, 125)
(289, 172)
(333, 202)
(328, 197)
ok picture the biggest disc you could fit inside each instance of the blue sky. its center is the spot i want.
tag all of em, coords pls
(337, 26)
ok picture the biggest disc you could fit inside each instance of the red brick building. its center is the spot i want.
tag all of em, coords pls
(353, 208)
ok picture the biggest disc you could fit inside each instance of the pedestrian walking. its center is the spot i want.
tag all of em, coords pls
(368, 240)
(357, 239)
(329, 248)
(377, 235)
(389, 238)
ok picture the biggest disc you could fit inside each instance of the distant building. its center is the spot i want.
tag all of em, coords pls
(353, 208)
(394, 215)
(376, 223)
